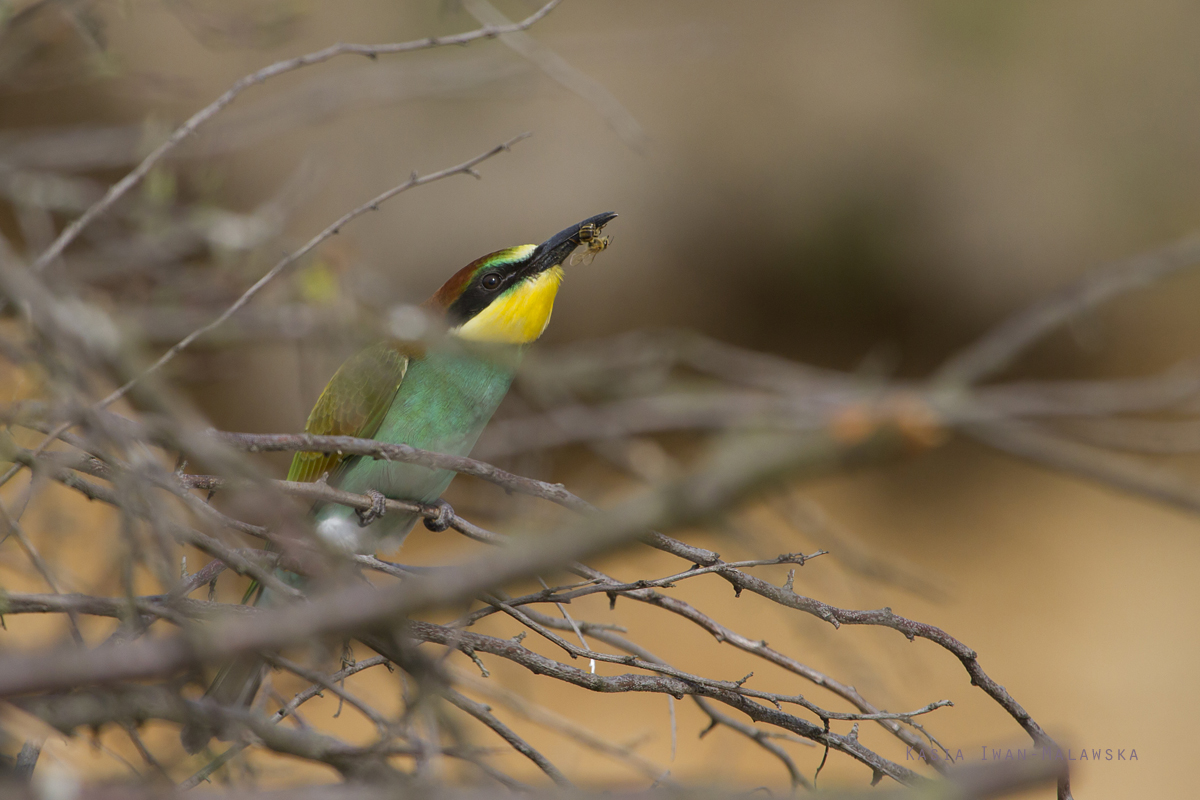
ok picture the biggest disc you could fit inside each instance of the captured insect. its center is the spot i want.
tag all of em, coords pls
(589, 237)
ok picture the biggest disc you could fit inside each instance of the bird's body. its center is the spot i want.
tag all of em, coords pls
(437, 394)
(448, 394)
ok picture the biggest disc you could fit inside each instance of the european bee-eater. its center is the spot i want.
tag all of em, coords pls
(436, 394)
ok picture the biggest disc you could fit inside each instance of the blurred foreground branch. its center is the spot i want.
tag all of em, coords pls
(122, 187)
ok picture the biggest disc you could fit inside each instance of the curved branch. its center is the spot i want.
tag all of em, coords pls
(121, 187)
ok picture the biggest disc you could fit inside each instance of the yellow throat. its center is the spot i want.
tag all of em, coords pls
(519, 315)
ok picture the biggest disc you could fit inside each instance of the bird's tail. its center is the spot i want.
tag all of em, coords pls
(235, 685)
(237, 681)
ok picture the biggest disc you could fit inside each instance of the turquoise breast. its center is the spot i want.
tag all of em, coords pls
(443, 405)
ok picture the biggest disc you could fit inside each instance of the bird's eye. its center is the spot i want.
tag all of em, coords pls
(491, 281)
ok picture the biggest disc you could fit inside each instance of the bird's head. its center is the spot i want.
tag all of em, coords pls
(506, 297)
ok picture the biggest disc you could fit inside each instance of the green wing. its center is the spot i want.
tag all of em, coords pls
(353, 404)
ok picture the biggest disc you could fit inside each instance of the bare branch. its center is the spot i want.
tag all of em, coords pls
(996, 350)
(559, 69)
(465, 168)
(664, 684)
(1118, 471)
(484, 714)
(119, 189)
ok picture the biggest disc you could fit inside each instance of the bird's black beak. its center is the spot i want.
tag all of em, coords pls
(555, 250)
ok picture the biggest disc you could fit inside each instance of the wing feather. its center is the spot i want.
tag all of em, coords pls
(354, 403)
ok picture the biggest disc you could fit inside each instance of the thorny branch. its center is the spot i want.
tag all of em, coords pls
(150, 662)
(350, 609)
(122, 187)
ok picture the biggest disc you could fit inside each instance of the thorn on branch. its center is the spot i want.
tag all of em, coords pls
(743, 680)
(483, 671)
(825, 756)
(787, 585)
(612, 600)
(737, 591)
(520, 637)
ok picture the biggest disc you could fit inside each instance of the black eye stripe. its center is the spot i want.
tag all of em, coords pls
(481, 290)
(485, 287)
